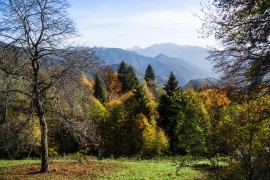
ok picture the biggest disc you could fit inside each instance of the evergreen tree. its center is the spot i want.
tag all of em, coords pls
(132, 79)
(150, 77)
(142, 102)
(127, 77)
(122, 71)
(98, 90)
(171, 112)
(172, 85)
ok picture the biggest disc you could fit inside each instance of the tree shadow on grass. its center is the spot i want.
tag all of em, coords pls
(207, 169)
(36, 172)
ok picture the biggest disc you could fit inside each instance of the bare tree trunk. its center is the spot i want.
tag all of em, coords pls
(44, 135)
(44, 144)
(38, 105)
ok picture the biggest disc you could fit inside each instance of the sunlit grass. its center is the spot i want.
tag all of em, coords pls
(164, 168)
(149, 169)
(7, 163)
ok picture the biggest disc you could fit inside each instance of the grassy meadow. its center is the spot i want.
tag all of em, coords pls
(90, 168)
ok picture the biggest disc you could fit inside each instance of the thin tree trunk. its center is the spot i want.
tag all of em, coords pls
(44, 144)
(43, 125)
(38, 105)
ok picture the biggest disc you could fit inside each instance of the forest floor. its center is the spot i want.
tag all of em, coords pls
(102, 169)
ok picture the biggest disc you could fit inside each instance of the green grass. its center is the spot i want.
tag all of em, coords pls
(139, 170)
(7, 163)
(133, 169)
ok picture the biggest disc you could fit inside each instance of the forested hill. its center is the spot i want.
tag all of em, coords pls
(162, 64)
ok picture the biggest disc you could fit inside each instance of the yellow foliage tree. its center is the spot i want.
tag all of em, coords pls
(154, 140)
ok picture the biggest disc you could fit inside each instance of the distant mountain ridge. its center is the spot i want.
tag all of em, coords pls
(161, 64)
(193, 54)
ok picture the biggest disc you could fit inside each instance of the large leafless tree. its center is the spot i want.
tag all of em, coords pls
(35, 50)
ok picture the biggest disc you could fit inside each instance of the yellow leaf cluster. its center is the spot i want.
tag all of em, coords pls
(86, 82)
(215, 98)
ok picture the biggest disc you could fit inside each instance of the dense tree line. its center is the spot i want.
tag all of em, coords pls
(205, 123)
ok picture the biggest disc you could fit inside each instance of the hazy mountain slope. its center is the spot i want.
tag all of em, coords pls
(193, 54)
(161, 64)
(197, 83)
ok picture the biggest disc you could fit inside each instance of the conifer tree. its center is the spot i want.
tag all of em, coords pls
(171, 112)
(150, 77)
(98, 90)
(143, 102)
(127, 77)
(122, 71)
(132, 79)
(172, 85)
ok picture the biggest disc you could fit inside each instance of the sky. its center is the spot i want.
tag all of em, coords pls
(128, 23)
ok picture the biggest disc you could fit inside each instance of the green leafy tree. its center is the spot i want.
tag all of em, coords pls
(219, 129)
(150, 139)
(99, 90)
(250, 158)
(192, 137)
(150, 77)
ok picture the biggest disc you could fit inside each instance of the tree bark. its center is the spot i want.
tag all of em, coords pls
(44, 135)
(44, 144)
(38, 106)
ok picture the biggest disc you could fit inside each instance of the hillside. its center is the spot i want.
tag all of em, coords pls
(197, 83)
(161, 64)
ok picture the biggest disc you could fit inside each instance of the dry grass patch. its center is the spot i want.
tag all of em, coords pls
(62, 170)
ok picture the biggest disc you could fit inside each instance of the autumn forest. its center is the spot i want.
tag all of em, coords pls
(58, 99)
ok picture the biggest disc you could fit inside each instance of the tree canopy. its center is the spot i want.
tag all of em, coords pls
(242, 27)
